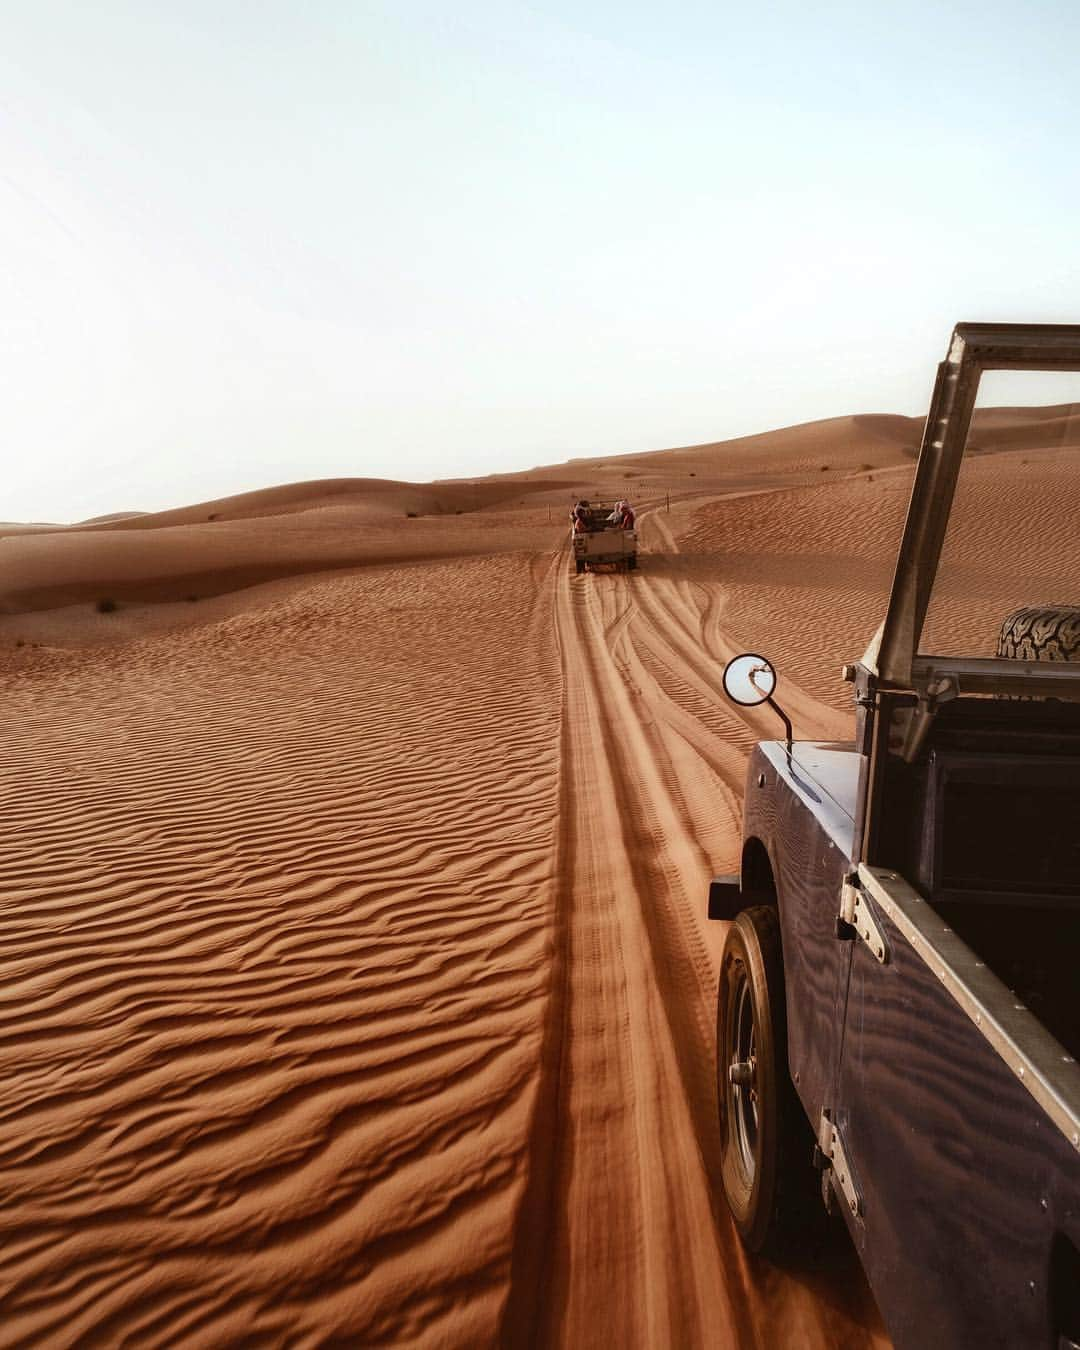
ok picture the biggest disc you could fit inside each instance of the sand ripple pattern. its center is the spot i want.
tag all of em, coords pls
(274, 919)
(806, 572)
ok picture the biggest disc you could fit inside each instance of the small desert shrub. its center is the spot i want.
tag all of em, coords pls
(459, 512)
(213, 517)
(19, 642)
(864, 468)
(824, 467)
(105, 605)
(411, 514)
(691, 474)
(191, 599)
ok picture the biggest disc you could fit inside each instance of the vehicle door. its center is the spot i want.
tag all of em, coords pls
(961, 1193)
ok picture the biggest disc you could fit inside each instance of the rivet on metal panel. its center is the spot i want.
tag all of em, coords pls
(761, 780)
(1020, 1070)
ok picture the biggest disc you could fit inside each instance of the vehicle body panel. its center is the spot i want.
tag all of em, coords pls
(808, 839)
(613, 545)
(964, 1179)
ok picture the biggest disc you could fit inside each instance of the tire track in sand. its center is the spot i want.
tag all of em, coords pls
(631, 1245)
(634, 1249)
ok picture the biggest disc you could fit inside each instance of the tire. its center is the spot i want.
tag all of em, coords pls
(631, 564)
(764, 1136)
(1049, 633)
(579, 566)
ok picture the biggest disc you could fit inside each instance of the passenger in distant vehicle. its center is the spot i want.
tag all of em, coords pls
(622, 516)
(581, 516)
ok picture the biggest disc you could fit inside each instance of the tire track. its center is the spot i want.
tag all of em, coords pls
(623, 1164)
(640, 1252)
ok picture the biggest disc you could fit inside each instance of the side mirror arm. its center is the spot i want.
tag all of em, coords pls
(783, 718)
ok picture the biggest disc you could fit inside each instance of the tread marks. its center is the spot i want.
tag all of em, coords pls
(642, 1250)
(626, 1178)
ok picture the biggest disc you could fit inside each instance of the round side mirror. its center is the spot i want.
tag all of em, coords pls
(749, 679)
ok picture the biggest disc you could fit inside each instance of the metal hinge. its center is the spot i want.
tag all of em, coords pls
(835, 1159)
(855, 911)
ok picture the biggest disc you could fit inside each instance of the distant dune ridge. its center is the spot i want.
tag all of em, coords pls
(220, 546)
(356, 983)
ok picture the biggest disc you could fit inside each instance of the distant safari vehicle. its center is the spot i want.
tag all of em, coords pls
(597, 541)
(899, 997)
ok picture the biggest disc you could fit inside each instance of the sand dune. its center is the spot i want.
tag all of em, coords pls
(358, 988)
(212, 548)
(835, 444)
(366, 497)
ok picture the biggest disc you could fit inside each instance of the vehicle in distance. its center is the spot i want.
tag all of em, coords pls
(898, 998)
(602, 543)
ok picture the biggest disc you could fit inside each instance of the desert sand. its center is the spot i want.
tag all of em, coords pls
(358, 987)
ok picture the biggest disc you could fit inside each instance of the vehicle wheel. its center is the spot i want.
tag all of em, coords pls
(763, 1129)
(1049, 633)
(631, 564)
(579, 566)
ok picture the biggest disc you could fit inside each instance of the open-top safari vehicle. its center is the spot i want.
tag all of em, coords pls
(601, 543)
(898, 1002)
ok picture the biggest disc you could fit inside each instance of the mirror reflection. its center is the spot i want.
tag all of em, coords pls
(749, 679)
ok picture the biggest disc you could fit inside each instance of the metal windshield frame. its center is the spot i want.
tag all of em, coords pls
(973, 348)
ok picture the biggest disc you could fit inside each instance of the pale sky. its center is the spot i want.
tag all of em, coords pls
(253, 241)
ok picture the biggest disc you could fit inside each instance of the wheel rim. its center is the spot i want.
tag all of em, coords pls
(742, 1076)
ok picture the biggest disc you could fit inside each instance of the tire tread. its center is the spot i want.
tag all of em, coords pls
(1041, 633)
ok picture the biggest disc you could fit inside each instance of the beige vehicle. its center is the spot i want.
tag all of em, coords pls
(602, 544)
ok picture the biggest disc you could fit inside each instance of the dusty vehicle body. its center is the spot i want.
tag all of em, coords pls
(603, 544)
(924, 1023)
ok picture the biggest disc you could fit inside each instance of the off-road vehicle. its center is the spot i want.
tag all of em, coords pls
(899, 998)
(602, 543)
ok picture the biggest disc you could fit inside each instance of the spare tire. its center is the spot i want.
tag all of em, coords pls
(1041, 633)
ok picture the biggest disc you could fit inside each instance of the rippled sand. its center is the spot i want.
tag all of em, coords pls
(357, 984)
